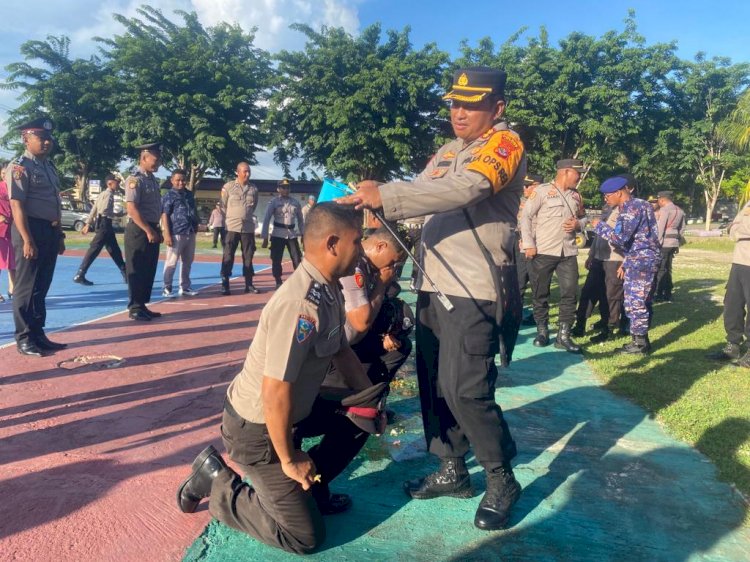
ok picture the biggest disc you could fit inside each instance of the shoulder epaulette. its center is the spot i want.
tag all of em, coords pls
(314, 292)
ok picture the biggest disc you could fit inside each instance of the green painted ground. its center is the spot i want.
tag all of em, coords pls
(602, 481)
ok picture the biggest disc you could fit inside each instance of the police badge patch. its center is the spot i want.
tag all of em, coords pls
(359, 279)
(305, 327)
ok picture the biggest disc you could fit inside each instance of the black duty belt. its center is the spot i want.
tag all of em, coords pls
(282, 225)
(45, 221)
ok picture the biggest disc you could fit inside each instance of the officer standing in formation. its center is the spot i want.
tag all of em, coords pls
(737, 296)
(671, 223)
(142, 234)
(274, 402)
(635, 234)
(530, 183)
(284, 210)
(217, 224)
(37, 235)
(551, 248)
(469, 192)
(307, 208)
(239, 198)
(100, 218)
(179, 219)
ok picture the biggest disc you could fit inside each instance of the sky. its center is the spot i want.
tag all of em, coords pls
(718, 28)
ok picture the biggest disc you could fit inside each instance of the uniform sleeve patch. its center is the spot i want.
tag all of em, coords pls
(314, 293)
(498, 159)
(18, 172)
(305, 327)
(132, 183)
(359, 279)
(532, 195)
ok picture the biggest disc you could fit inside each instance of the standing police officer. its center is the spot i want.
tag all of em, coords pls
(142, 234)
(671, 223)
(239, 198)
(530, 183)
(471, 190)
(37, 235)
(551, 248)
(179, 219)
(635, 234)
(284, 210)
(100, 218)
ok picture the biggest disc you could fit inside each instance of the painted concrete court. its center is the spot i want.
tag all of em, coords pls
(95, 439)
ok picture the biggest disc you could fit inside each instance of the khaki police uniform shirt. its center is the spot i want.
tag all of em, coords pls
(142, 188)
(670, 224)
(283, 211)
(305, 211)
(104, 206)
(551, 207)
(34, 182)
(485, 177)
(739, 231)
(299, 331)
(603, 250)
(239, 203)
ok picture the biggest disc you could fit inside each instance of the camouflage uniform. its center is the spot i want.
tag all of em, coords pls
(635, 233)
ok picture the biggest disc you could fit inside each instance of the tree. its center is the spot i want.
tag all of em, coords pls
(600, 99)
(199, 91)
(737, 131)
(74, 93)
(357, 107)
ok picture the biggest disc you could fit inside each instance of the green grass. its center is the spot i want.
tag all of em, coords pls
(700, 401)
(720, 244)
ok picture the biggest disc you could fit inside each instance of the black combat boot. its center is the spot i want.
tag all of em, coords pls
(607, 333)
(730, 352)
(81, 278)
(503, 490)
(542, 336)
(639, 345)
(250, 288)
(451, 479)
(206, 466)
(579, 329)
(225, 286)
(598, 325)
(563, 340)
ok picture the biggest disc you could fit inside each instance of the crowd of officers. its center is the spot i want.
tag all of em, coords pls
(331, 338)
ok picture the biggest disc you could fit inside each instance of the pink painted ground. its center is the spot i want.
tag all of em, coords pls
(90, 457)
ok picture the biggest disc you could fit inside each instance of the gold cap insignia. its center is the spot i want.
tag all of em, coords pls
(463, 80)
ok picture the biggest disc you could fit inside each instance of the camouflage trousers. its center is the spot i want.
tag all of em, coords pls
(639, 291)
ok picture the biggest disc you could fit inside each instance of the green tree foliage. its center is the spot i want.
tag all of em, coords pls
(600, 99)
(74, 93)
(357, 107)
(200, 91)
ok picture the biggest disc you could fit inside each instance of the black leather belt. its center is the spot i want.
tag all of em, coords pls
(45, 221)
(282, 225)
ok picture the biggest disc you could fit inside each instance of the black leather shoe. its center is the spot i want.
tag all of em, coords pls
(43, 342)
(563, 340)
(139, 315)
(278, 283)
(451, 479)
(250, 288)
(640, 345)
(542, 336)
(730, 352)
(206, 467)
(152, 313)
(503, 490)
(29, 348)
(579, 329)
(80, 278)
(225, 286)
(336, 503)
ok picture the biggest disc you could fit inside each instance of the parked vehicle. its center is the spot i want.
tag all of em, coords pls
(74, 214)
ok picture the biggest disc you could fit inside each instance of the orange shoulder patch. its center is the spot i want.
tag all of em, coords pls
(498, 159)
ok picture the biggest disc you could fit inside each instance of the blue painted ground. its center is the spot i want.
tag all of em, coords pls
(602, 482)
(69, 303)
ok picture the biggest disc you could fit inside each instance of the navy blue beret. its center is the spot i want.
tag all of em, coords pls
(613, 184)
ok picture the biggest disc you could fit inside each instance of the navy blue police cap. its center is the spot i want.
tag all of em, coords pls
(613, 184)
(36, 125)
(154, 147)
(473, 84)
(531, 179)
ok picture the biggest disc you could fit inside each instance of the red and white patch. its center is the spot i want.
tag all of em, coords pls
(506, 146)
(359, 279)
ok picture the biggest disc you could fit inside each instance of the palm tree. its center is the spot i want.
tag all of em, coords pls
(737, 131)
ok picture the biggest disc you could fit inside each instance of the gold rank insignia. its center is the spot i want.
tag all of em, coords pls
(533, 194)
(450, 155)
(438, 172)
(463, 80)
(552, 193)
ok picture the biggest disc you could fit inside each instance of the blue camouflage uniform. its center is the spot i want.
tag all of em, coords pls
(636, 234)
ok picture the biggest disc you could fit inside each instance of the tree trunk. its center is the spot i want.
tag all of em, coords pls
(82, 184)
